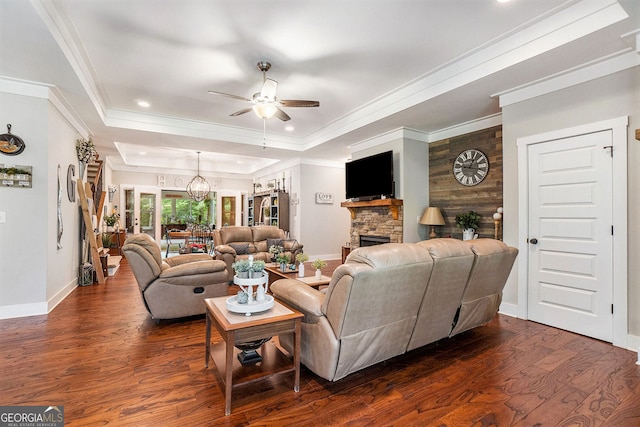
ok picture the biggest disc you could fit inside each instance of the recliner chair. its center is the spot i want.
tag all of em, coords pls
(174, 287)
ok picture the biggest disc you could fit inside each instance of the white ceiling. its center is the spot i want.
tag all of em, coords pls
(374, 65)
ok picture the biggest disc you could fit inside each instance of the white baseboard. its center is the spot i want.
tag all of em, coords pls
(23, 310)
(633, 343)
(508, 309)
(36, 308)
(61, 295)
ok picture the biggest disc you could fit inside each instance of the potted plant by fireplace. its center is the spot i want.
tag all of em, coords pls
(469, 222)
(318, 264)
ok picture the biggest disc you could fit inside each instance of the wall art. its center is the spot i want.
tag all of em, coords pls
(11, 144)
(15, 176)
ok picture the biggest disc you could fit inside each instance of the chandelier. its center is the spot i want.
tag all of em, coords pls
(198, 188)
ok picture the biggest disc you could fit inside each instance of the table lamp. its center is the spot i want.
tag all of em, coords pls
(432, 217)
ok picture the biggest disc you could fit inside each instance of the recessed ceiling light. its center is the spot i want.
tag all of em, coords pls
(502, 1)
(289, 128)
(142, 153)
(144, 104)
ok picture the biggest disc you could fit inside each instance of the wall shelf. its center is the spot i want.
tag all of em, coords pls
(392, 203)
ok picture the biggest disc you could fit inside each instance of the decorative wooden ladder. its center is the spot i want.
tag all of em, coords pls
(85, 194)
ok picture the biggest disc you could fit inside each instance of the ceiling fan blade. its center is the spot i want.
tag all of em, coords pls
(269, 89)
(244, 110)
(282, 115)
(298, 103)
(241, 98)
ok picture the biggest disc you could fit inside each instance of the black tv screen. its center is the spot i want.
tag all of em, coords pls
(371, 177)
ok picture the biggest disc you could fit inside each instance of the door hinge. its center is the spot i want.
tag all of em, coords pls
(611, 308)
(612, 230)
(610, 147)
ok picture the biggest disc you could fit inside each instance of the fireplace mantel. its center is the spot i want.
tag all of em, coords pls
(392, 203)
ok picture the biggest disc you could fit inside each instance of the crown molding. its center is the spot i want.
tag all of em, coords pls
(48, 92)
(467, 127)
(602, 67)
(568, 22)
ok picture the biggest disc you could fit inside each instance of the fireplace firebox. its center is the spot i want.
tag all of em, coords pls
(373, 240)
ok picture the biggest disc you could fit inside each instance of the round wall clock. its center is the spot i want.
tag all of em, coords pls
(470, 167)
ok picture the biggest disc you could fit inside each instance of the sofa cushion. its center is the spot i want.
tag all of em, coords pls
(235, 234)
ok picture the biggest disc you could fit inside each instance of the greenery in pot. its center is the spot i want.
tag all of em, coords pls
(469, 219)
(112, 219)
(106, 240)
(241, 267)
(282, 258)
(257, 266)
(319, 263)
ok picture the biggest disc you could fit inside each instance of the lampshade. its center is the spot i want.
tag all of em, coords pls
(198, 188)
(265, 110)
(432, 216)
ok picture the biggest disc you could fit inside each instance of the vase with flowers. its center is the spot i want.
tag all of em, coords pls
(86, 152)
(318, 264)
(300, 259)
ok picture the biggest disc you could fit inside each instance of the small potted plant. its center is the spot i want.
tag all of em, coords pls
(283, 260)
(241, 267)
(300, 259)
(469, 222)
(318, 264)
(256, 269)
(111, 220)
(106, 240)
(275, 251)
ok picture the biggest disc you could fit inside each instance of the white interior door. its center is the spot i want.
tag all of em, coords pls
(570, 234)
(141, 209)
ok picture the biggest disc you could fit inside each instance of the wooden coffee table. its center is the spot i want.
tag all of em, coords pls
(238, 328)
(309, 276)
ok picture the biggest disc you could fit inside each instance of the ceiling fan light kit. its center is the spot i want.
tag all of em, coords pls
(265, 110)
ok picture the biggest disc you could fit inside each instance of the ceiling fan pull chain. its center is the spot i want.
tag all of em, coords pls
(264, 133)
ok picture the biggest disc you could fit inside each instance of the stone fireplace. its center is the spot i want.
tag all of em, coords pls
(378, 219)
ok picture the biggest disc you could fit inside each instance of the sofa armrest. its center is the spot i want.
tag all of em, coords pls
(302, 297)
(186, 258)
(225, 249)
(194, 268)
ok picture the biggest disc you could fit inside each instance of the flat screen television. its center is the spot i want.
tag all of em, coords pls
(370, 177)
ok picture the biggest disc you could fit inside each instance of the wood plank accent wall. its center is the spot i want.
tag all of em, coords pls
(446, 193)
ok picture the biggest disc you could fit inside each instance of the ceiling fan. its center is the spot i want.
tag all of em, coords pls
(265, 103)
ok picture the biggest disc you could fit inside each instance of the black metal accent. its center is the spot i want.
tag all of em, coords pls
(198, 290)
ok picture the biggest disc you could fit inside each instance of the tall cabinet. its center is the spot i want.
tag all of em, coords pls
(269, 208)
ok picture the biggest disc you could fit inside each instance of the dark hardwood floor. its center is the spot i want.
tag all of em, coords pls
(102, 357)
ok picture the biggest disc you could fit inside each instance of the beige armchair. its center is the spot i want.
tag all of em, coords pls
(177, 286)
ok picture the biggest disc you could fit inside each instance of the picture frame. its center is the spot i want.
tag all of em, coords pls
(271, 184)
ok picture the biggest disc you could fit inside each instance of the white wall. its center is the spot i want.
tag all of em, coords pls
(324, 228)
(34, 274)
(605, 98)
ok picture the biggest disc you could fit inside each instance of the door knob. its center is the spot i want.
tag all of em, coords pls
(533, 241)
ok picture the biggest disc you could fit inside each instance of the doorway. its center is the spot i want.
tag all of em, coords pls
(228, 210)
(572, 186)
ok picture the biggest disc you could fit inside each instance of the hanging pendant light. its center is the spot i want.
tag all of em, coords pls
(198, 188)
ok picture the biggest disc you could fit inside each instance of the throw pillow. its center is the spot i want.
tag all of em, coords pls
(273, 242)
(240, 248)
